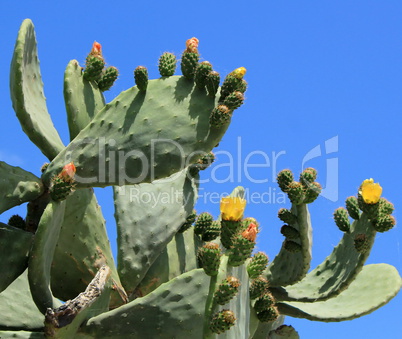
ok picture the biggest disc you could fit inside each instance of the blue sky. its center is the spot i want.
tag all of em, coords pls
(325, 88)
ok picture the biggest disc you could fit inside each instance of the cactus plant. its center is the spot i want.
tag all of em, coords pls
(171, 279)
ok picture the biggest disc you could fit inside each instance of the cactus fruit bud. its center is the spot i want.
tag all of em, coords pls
(264, 302)
(96, 49)
(259, 286)
(352, 207)
(341, 218)
(292, 246)
(361, 243)
(290, 232)
(141, 78)
(220, 116)
(232, 209)
(386, 207)
(245, 223)
(167, 64)
(109, 76)
(309, 175)
(312, 192)
(239, 72)
(295, 192)
(384, 223)
(212, 231)
(234, 100)
(257, 265)
(372, 210)
(63, 184)
(205, 161)
(210, 256)
(94, 65)
(189, 221)
(370, 191)
(233, 82)
(212, 81)
(201, 72)
(287, 216)
(222, 321)
(17, 221)
(270, 314)
(284, 179)
(243, 245)
(229, 229)
(68, 172)
(203, 221)
(192, 45)
(44, 167)
(226, 290)
(189, 59)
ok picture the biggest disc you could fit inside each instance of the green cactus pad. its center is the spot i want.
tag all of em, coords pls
(83, 99)
(14, 260)
(161, 208)
(27, 94)
(144, 136)
(141, 78)
(174, 310)
(179, 256)
(336, 272)
(18, 310)
(108, 78)
(41, 255)
(82, 248)
(352, 207)
(288, 268)
(257, 265)
(375, 286)
(264, 329)
(17, 186)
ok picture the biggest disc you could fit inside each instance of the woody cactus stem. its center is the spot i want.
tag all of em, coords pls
(173, 279)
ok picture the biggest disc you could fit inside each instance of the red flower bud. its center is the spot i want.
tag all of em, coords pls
(251, 232)
(68, 172)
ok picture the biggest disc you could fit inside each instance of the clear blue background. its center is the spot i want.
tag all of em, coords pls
(316, 70)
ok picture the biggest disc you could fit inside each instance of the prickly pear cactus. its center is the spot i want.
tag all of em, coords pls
(178, 274)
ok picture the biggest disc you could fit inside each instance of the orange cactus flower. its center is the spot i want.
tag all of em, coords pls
(370, 191)
(251, 232)
(232, 209)
(96, 49)
(192, 45)
(68, 172)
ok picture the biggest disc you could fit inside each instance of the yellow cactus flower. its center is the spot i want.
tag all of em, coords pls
(232, 209)
(239, 72)
(370, 191)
